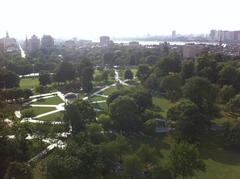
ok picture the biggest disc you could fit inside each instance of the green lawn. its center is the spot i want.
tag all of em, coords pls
(163, 103)
(38, 110)
(50, 101)
(101, 106)
(220, 163)
(53, 117)
(114, 89)
(97, 98)
(134, 71)
(29, 83)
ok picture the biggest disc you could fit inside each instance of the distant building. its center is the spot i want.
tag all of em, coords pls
(224, 36)
(1, 45)
(173, 34)
(47, 42)
(33, 44)
(105, 40)
(70, 44)
(213, 34)
(192, 50)
(134, 43)
(8, 44)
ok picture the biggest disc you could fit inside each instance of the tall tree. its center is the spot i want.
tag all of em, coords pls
(45, 78)
(123, 112)
(226, 93)
(65, 72)
(229, 75)
(11, 80)
(128, 74)
(187, 69)
(86, 74)
(184, 160)
(172, 85)
(143, 72)
(79, 114)
(200, 91)
(133, 167)
(191, 125)
(18, 170)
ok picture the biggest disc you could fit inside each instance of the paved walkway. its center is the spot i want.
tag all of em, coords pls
(60, 107)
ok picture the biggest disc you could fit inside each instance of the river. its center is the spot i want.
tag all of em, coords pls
(161, 42)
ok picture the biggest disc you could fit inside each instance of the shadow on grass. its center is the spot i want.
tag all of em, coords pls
(213, 148)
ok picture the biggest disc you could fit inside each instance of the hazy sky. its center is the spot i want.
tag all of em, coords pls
(89, 19)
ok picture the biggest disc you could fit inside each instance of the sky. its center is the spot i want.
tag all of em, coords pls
(89, 19)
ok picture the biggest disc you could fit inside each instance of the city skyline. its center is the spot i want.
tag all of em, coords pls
(91, 19)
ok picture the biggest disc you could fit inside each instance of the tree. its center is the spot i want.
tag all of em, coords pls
(150, 126)
(207, 68)
(41, 131)
(184, 160)
(11, 79)
(79, 114)
(200, 91)
(133, 167)
(27, 93)
(229, 75)
(44, 79)
(187, 69)
(143, 72)
(231, 134)
(172, 85)
(65, 72)
(62, 166)
(142, 98)
(128, 74)
(86, 71)
(234, 104)
(170, 64)
(18, 170)
(147, 155)
(105, 121)
(226, 93)
(151, 59)
(123, 112)
(104, 75)
(191, 125)
(94, 132)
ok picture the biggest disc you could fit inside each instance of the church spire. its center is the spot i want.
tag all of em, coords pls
(7, 36)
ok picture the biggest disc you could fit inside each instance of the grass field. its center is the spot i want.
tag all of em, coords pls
(97, 98)
(37, 110)
(28, 83)
(50, 101)
(53, 117)
(101, 106)
(163, 103)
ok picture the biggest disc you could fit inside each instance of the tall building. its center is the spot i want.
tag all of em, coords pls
(173, 34)
(9, 44)
(192, 50)
(33, 44)
(105, 40)
(212, 34)
(47, 42)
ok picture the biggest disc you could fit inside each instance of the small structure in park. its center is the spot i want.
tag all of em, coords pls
(162, 126)
(70, 97)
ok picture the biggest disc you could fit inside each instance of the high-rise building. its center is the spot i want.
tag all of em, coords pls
(105, 40)
(33, 44)
(9, 44)
(173, 34)
(47, 42)
(212, 34)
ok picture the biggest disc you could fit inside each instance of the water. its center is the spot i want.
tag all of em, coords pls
(161, 42)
